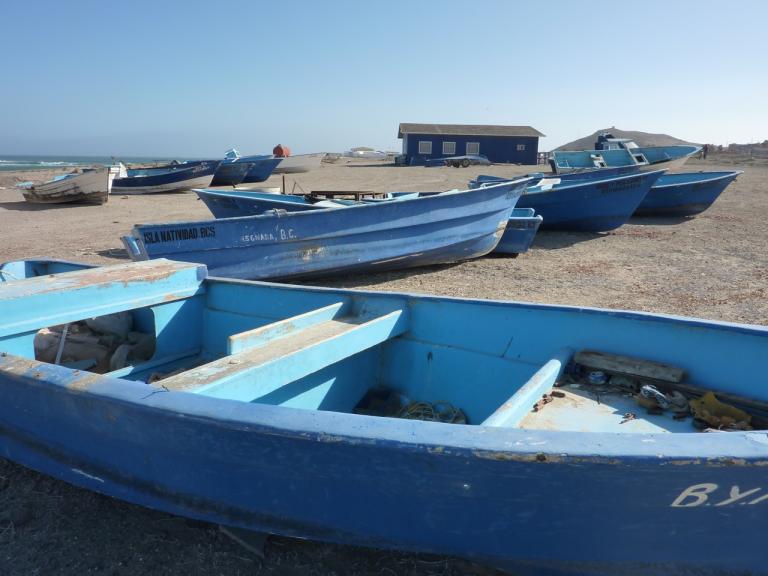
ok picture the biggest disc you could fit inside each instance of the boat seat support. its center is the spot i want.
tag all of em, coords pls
(511, 413)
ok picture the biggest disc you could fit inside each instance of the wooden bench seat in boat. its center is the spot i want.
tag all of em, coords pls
(270, 357)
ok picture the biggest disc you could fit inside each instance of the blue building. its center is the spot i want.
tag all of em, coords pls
(500, 144)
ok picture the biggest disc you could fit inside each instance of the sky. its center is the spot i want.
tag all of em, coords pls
(192, 79)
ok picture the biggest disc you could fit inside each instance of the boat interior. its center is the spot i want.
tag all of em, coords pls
(391, 355)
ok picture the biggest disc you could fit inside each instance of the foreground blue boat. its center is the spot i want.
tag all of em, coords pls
(685, 194)
(171, 178)
(420, 231)
(252, 413)
(592, 205)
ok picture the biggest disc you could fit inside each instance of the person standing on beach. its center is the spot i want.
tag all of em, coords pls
(705, 151)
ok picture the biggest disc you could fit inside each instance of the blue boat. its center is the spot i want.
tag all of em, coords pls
(170, 178)
(596, 204)
(685, 194)
(421, 231)
(236, 169)
(520, 232)
(518, 235)
(648, 154)
(289, 410)
(657, 157)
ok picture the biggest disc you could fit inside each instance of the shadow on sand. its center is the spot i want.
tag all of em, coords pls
(30, 207)
(387, 165)
(366, 279)
(114, 253)
(556, 239)
(659, 220)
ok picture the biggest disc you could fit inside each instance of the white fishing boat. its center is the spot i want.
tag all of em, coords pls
(88, 185)
(299, 163)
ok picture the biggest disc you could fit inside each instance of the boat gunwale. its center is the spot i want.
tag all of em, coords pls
(724, 174)
(589, 182)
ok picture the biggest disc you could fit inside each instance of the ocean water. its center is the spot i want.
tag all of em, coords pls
(11, 162)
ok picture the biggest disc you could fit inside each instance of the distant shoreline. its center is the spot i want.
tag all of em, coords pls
(32, 162)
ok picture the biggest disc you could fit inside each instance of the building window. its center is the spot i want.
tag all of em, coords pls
(520, 147)
(449, 148)
(473, 147)
(425, 147)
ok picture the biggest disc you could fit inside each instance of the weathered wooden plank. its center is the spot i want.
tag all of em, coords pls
(70, 296)
(637, 367)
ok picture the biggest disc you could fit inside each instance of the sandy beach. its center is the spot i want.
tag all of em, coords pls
(713, 266)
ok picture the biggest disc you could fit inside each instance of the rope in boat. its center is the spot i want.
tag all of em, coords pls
(438, 412)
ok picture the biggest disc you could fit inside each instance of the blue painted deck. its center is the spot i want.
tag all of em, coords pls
(685, 194)
(258, 432)
(520, 231)
(373, 236)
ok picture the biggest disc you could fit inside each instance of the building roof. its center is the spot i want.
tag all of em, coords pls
(467, 130)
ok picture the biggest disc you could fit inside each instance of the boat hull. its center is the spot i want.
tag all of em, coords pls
(230, 173)
(591, 205)
(520, 232)
(533, 501)
(90, 187)
(260, 170)
(176, 180)
(299, 163)
(437, 229)
(685, 194)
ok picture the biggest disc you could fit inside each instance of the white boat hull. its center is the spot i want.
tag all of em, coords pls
(91, 187)
(201, 182)
(300, 163)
